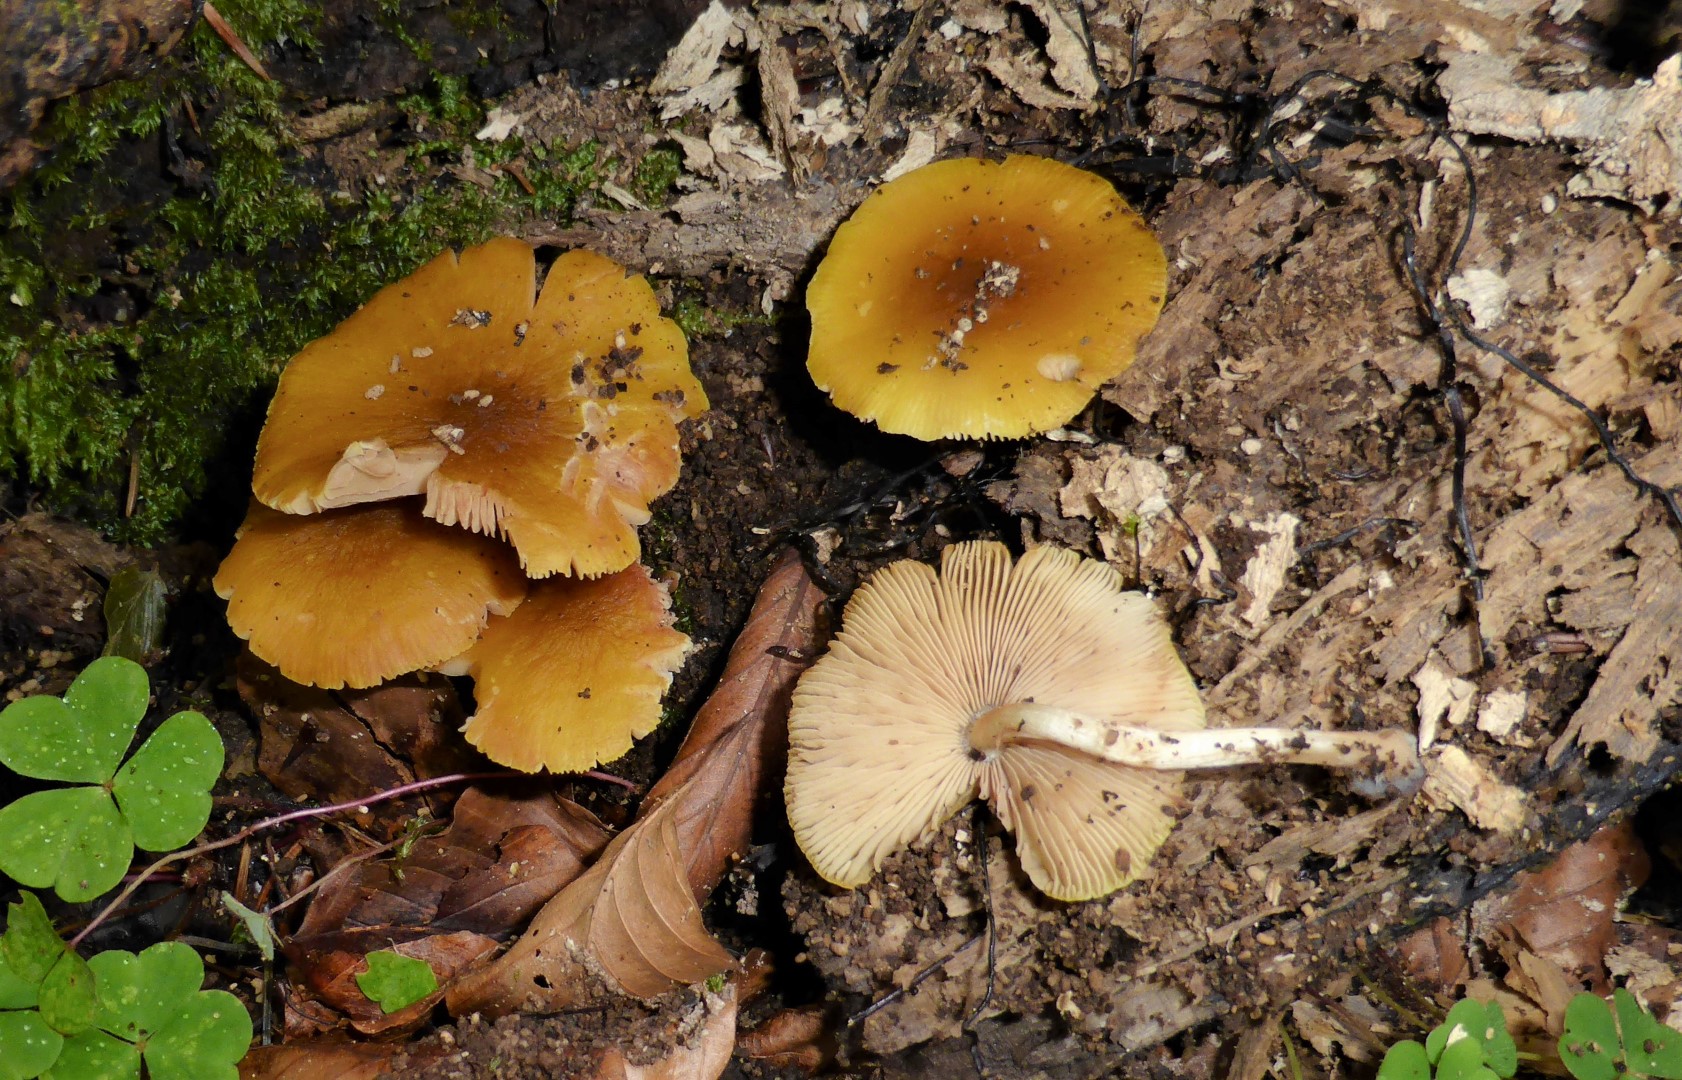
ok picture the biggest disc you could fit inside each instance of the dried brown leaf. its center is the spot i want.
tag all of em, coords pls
(321, 1061)
(800, 1038)
(336, 746)
(330, 964)
(739, 737)
(1565, 911)
(628, 926)
(632, 923)
(702, 1047)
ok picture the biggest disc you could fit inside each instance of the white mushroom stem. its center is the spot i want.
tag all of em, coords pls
(1392, 755)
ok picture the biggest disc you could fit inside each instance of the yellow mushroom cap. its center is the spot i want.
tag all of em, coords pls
(981, 299)
(574, 676)
(879, 748)
(549, 419)
(356, 596)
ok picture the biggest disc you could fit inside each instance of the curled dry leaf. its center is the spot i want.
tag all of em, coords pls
(801, 1038)
(631, 924)
(324, 1061)
(738, 738)
(628, 926)
(329, 965)
(449, 900)
(706, 1034)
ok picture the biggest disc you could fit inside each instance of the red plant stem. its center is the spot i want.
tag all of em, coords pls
(269, 823)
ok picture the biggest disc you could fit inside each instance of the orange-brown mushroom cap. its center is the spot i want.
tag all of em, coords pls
(550, 419)
(574, 676)
(356, 596)
(879, 747)
(982, 299)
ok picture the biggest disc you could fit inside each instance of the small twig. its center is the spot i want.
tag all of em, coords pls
(234, 41)
(1349, 534)
(270, 823)
(894, 68)
(899, 992)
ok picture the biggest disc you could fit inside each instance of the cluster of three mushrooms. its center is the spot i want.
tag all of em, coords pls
(459, 406)
(990, 300)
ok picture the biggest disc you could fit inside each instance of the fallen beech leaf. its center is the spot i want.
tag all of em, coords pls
(800, 1038)
(331, 963)
(705, 1038)
(336, 746)
(502, 857)
(632, 924)
(1565, 911)
(739, 736)
(628, 926)
(324, 1061)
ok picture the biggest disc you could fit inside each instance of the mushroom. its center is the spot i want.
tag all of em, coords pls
(575, 675)
(1042, 686)
(548, 418)
(356, 596)
(982, 299)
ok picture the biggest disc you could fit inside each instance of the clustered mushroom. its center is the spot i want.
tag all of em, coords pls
(458, 408)
(1041, 685)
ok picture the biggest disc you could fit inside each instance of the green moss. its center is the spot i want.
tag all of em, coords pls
(655, 174)
(142, 322)
(697, 320)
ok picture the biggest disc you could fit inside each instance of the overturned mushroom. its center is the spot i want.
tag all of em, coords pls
(982, 299)
(1041, 686)
(357, 596)
(548, 418)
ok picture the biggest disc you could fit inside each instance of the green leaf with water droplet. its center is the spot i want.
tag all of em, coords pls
(164, 790)
(134, 614)
(96, 1055)
(30, 1045)
(68, 1004)
(138, 995)
(395, 981)
(203, 1041)
(81, 737)
(72, 839)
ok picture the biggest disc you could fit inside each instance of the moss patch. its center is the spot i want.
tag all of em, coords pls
(181, 243)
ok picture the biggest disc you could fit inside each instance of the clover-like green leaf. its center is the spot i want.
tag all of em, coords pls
(138, 995)
(1405, 1061)
(72, 839)
(395, 981)
(68, 1004)
(16, 992)
(96, 1055)
(1589, 1045)
(164, 790)
(204, 1041)
(1463, 1059)
(30, 945)
(81, 737)
(134, 614)
(1650, 1048)
(30, 1046)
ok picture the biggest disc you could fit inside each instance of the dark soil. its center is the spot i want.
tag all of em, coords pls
(1291, 411)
